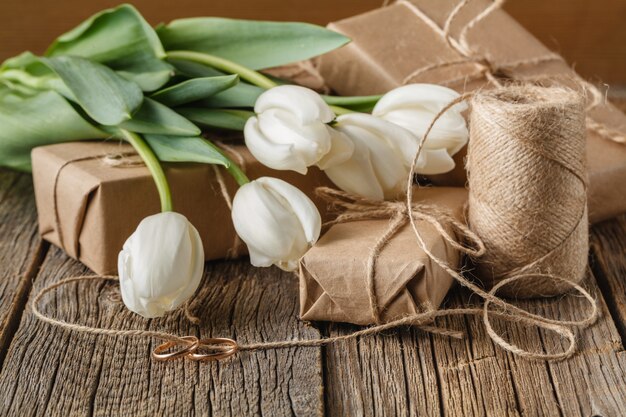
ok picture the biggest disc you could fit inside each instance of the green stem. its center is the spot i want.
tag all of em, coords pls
(230, 67)
(233, 169)
(237, 174)
(154, 166)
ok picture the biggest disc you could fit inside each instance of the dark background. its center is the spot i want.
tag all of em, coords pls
(591, 34)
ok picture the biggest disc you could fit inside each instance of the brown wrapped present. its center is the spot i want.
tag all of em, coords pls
(99, 205)
(333, 273)
(406, 43)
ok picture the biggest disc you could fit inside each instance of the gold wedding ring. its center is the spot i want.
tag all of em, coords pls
(189, 345)
(218, 348)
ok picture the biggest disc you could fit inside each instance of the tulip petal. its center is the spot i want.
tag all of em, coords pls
(160, 265)
(431, 97)
(432, 162)
(356, 175)
(310, 142)
(303, 102)
(418, 120)
(341, 149)
(271, 154)
(387, 147)
(196, 267)
(258, 258)
(299, 204)
(263, 223)
(126, 283)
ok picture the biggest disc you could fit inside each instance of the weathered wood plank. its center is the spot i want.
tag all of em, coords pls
(478, 379)
(608, 241)
(475, 378)
(52, 372)
(388, 375)
(20, 250)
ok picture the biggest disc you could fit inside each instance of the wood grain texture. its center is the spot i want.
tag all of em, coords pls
(388, 375)
(20, 250)
(53, 372)
(608, 242)
(475, 378)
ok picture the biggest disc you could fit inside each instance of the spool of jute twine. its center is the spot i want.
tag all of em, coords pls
(527, 186)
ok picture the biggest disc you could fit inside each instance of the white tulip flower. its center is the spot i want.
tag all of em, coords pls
(379, 167)
(160, 265)
(278, 222)
(413, 107)
(290, 130)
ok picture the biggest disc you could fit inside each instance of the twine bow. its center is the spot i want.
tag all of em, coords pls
(355, 208)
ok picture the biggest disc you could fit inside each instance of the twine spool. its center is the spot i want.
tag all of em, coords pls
(527, 182)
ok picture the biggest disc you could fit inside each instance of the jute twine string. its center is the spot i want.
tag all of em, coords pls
(235, 250)
(530, 276)
(417, 320)
(527, 183)
(486, 68)
(355, 208)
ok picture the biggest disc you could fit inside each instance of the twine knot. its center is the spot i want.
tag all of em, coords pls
(355, 208)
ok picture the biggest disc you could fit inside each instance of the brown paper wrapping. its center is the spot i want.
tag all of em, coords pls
(391, 43)
(99, 206)
(333, 272)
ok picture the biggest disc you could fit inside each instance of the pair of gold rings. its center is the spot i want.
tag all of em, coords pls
(190, 347)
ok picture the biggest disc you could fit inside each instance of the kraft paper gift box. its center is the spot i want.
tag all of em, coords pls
(397, 44)
(100, 205)
(333, 272)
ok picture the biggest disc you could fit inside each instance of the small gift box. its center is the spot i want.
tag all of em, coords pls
(89, 203)
(334, 273)
(407, 42)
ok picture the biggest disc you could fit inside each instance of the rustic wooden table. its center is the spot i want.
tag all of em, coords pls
(46, 371)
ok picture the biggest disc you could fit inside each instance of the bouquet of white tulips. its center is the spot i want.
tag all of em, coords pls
(115, 76)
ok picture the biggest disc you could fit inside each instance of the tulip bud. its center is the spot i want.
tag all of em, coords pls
(160, 265)
(414, 107)
(277, 222)
(379, 166)
(290, 131)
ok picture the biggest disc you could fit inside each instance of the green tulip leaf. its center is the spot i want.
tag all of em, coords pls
(186, 149)
(155, 118)
(194, 90)
(29, 71)
(357, 103)
(253, 44)
(217, 118)
(121, 39)
(105, 96)
(41, 119)
(241, 95)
